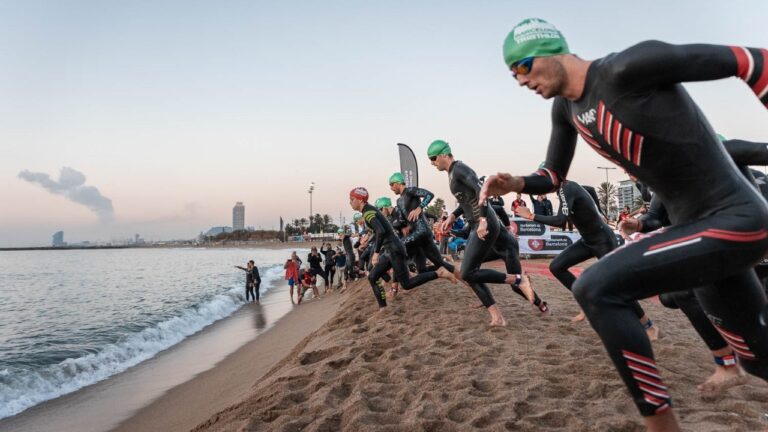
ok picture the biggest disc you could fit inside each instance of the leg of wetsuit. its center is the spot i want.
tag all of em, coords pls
(687, 302)
(418, 258)
(403, 276)
(330, 270)
(507, 248)
(578, 253)
(430, 250)
(732, 305)
(320, 272)
(373, 278)
(493, 256)
(721, 247)
(256, 287)
(476, 252)
(483, 293)
(572, 255)
(350, 262)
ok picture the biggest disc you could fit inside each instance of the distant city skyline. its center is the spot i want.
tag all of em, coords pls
(132, 117)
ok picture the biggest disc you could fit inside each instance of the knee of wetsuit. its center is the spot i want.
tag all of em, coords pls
(467, 274)
(588, 291)
(554, 267)
(372, 277)
(668, 300)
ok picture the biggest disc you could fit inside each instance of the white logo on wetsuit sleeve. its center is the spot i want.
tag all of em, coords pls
(587, 117)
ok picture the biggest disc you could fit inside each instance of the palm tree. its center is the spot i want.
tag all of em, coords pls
(606, 193)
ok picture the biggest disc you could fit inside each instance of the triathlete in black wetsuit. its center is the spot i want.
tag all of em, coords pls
(632, 109)
(727, 373)
(420, 241)
(386, 240)
(597, 239)
(493, 255)
(486, 235)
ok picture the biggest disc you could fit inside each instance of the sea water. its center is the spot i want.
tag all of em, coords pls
(71, 318)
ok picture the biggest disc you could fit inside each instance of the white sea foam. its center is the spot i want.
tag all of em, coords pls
(21, 389)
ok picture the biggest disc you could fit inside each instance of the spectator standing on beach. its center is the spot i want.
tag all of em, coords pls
(251, 279)
(340, 262)
(542, 206)
(292, 274)
(494, 200)
(315, 261)
(256, 280)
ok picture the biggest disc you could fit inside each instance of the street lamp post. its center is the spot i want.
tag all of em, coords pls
(606, 187)
(311, 188)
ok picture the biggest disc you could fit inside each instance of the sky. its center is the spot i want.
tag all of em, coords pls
(154, 117)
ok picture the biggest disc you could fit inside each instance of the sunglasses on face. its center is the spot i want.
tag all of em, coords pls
(433, 158)
(523, 67)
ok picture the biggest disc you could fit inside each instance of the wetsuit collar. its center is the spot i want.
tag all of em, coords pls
(450, 168)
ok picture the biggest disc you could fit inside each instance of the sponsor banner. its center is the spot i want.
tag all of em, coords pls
(538, 239)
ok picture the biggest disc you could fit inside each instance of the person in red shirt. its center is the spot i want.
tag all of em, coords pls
(291, 267)
(518, 202)
(624, 214)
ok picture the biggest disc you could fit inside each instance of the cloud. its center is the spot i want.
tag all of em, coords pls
(71, 184)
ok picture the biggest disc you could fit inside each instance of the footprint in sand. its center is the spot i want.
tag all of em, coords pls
(316, 356)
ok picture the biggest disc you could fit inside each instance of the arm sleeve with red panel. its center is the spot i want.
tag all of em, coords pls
(653, 63)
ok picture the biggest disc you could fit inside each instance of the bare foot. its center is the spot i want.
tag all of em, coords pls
(653, 333)
(477, 306)
(723, 378)
(579, 317)
(526, 287)
(445, 274)
(500, 322)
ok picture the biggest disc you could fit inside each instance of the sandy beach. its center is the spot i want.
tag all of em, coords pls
(231, 380)
(432, 364)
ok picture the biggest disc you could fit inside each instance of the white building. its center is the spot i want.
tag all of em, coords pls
(238, 217)
(627, 194)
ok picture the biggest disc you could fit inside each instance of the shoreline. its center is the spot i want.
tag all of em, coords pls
(102, 405)
(186, 405)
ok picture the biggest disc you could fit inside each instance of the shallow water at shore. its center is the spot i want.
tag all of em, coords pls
(74, 318)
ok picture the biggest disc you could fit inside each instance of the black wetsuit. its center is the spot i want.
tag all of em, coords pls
(634, 112)
(252, 281)
(743, 153)
(597, 238)
(420, 241)
(465, 186)
(329, 267)
(316, 266)
(387, 241)
(346, 241)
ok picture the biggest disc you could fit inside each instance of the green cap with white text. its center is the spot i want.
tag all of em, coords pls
(533, 37)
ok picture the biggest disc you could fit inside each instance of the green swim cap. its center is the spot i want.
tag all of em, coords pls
(340, 231)
(396, 178)
(357, 216)
(722, 138)
(533, 37)
(383, 202)
(438, 147)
